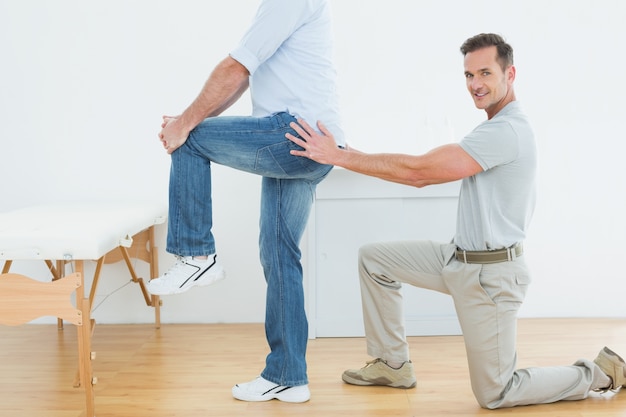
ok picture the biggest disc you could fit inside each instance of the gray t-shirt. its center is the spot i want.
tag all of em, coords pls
(496, 205)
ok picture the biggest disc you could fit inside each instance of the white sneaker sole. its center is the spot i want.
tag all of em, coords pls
(209, 279)
(299, 394)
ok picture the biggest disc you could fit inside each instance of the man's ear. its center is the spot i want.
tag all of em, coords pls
(511, 74)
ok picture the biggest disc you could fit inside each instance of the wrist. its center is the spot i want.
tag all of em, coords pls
(185, 124)
(341, 157)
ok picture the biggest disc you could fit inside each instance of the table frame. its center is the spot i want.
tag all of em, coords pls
(23, 299)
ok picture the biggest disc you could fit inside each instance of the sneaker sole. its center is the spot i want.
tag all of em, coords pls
(210, 279)
(284, 396)
(382, 382)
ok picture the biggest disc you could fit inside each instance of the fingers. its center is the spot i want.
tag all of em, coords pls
(295, 139)
(322, 127)
(167, 120)
(305, 125)
(298, 141)
(169, 148)
(299, 130)
(304, 135)
(167, 145)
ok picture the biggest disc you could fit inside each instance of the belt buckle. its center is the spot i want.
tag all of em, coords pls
(512, 252)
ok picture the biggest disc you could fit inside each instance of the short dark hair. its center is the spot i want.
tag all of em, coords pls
(485, 40)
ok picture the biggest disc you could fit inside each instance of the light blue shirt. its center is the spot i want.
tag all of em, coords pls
(288, 51)
(496, 205)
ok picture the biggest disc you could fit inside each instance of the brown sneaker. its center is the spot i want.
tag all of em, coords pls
(377, 372)
(614, 366)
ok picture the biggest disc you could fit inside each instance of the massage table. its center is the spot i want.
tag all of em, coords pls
(70, 234)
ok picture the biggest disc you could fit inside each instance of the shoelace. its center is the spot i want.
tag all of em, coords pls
(179, 259)
(373, 362)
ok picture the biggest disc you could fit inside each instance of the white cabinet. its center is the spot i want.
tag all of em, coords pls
(351, 210)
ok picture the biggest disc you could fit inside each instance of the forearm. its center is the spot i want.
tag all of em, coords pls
(398, 168)
(225, 85)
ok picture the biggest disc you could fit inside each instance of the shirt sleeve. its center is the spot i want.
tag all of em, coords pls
(492, 144)
(274, 23)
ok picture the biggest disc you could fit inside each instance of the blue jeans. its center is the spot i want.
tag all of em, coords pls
(259, 146)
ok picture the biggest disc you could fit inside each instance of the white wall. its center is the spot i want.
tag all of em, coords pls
(83, 86)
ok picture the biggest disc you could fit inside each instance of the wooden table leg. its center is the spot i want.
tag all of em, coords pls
(85, 355)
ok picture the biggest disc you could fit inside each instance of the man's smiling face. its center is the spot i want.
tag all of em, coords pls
(491, 87)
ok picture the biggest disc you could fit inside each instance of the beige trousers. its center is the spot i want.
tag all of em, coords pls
(487, 299)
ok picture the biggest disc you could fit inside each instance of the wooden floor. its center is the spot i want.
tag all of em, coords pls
(188, 370)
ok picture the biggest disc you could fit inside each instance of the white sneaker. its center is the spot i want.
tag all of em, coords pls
(260, 389)
(185, 274)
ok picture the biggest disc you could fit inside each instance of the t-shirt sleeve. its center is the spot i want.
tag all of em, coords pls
(274, 23)
(492, 144)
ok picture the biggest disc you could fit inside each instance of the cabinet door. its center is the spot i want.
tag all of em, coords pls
(351, 210)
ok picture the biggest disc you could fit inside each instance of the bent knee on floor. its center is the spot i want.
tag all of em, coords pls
(489, 401)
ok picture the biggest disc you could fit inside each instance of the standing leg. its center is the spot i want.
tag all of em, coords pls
(259, 146)
(285, 208)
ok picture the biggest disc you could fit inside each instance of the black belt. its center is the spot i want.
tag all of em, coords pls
(489, 256)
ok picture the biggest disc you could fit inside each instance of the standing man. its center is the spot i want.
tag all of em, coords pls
(286, 59)
(484, 269)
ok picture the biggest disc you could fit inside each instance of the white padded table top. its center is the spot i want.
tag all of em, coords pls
(74, 231)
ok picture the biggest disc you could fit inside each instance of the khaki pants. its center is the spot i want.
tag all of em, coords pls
(487, 299)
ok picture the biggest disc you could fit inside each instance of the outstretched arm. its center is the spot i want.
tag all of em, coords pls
(443, 164)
